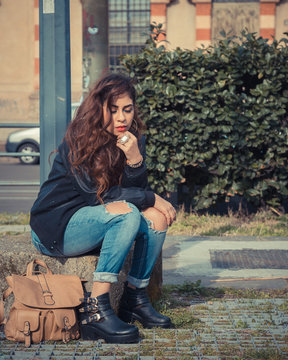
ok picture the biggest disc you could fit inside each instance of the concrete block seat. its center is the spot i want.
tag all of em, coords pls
(17, 253)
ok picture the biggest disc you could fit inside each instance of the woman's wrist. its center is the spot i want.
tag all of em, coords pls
(135, 163)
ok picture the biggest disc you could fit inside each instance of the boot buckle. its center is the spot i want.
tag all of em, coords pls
(92, 300)
(95, 317)
(88, 308)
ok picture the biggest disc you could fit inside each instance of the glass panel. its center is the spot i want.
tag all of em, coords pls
(115, 5)
(117, 19)
(139, 5)
(118, 36)
(138, 36)
(139, 18)
(129, 22)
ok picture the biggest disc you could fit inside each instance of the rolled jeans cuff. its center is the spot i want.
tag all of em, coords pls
(105, 277)
(139, 283)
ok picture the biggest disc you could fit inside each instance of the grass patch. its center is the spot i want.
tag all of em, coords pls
(265, 354)
(188, 306)
(194, 290)
(263, 223)
(183, 318)
(232, 293)
(176, 299)
(14, 219)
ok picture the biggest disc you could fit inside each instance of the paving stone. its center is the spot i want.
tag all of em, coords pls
(226, 329)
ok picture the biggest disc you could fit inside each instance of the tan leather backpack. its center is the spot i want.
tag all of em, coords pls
(44, 306)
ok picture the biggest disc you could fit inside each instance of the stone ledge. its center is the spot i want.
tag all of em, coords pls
(17, 251)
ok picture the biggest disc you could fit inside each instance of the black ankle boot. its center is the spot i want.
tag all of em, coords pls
(98, 321)
(135, 305)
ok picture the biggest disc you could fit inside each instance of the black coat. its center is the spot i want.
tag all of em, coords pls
(63, 194)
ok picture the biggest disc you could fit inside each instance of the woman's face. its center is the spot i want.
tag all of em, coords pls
(122, 113)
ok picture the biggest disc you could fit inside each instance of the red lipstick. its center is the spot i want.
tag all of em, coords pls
(121, 128)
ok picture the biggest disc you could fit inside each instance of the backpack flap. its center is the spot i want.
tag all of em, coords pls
(48, 291)
(25, 317)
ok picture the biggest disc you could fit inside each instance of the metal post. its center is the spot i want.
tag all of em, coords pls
(55, 77)
(95, 41)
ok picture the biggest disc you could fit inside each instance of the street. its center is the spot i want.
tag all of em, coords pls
(15, 198)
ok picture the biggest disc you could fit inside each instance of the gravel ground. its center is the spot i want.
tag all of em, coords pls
(223, 329)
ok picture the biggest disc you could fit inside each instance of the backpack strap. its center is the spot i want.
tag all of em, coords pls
(27, 334)
(47, 294)
(5, 295)
(30, 267)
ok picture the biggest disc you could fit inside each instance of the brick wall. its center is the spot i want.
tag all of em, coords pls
(257, 17)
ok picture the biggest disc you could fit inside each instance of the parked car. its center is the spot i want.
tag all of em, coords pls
(28, 141)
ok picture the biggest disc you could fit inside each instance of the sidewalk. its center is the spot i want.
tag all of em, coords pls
(223, 329)
(239, 261)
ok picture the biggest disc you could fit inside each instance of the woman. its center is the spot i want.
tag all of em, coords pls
(97, 195)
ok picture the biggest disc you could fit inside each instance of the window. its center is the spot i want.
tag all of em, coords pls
(129, 22)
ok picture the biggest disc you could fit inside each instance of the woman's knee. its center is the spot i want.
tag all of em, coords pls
(131, 212)
(118, 207)
(157, 219)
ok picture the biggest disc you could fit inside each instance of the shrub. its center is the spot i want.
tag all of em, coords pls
(216, 118)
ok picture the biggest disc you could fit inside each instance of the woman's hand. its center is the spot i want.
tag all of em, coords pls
(166, 209)
(130, 148)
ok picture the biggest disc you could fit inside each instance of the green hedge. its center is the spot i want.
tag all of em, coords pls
(216, 118)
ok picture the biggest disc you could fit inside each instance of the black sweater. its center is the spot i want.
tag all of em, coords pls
(63, 194)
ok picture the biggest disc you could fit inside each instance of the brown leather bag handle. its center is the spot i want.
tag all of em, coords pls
(30, 267)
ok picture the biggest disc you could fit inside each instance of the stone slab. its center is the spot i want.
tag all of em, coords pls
(16, 252)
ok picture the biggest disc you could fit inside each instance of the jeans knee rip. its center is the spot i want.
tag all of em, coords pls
(152, 227)
(129, 208)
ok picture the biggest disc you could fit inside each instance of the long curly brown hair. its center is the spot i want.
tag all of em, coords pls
(92, 149)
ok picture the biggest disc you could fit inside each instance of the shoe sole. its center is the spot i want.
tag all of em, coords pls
(90, 333)
(130, 317)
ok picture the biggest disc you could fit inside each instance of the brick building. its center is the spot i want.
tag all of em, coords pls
(188, 24)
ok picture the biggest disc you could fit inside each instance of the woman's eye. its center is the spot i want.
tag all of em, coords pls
(128, 111)
(113, 111)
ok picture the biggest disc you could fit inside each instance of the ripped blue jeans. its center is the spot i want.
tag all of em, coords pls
(92, 227)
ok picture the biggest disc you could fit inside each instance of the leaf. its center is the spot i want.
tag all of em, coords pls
(161, 167)
(170, 90)
(222, 83)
